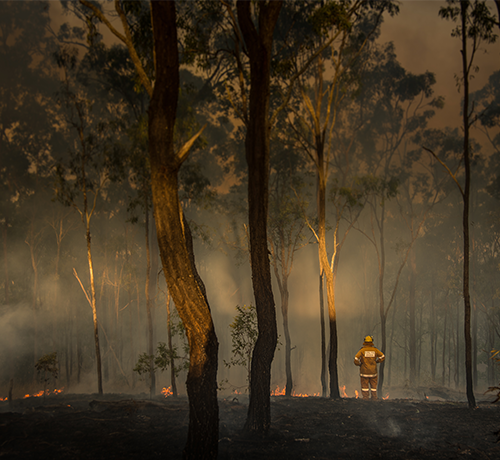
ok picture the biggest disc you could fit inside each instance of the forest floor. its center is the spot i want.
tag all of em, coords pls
(431, 424)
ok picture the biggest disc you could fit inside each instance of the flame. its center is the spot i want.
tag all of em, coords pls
(278, 392)
(166, 392)
(46, 393)
(357, 394)
(281, 392)
(4, 399)
(344, 394)
(386, 396)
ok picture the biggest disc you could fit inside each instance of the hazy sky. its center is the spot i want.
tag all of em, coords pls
(423, 42)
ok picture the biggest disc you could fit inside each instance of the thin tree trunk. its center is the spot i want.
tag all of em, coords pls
(288, 343)
(173, 380)
(413, 340)
(6, 263)
(324, 381)
(466, 276)
(152, 377)
(94, 313)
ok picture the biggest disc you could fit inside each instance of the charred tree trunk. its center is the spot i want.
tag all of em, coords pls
(174, 241)
(259, 47)
(324, 380)
(288, 342)
(6, 263)
(466, 196)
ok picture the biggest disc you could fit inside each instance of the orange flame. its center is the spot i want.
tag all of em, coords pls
(278, 392)
(282, 392)
(344, 394)
(357, 394)
(386, 396)
(41, 393)
(166, 392)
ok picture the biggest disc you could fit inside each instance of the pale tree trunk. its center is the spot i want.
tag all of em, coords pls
(152, 377)
(94, 311)
(413, 341)
(173, 379)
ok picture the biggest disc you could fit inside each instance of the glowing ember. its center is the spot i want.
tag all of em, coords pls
(281, 392)
(46, 393)
(166, 392)
(4, 399)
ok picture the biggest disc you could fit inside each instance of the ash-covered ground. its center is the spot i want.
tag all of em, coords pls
(430, 423)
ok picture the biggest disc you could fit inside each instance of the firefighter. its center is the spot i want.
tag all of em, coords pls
(367, 358)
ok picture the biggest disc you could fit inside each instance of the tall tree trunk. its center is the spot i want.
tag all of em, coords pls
(259, 46)
(382, 312)
(174, 241)
(466, 196)
(326, 269)
(413, 335)
(286, 330)
(94, 312)
(433, 333)
(6, 263)
(324, 381)
(152, 377)
(173, 380)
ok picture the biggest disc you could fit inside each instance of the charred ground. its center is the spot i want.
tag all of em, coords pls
(128, 427)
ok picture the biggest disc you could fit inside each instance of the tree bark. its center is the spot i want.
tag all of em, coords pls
(152, 377)
(413, 333)
(259, 47)
(182, 279)
(324, 381)
(466, 196)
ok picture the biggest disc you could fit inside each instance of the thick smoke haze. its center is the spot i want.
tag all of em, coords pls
(43, 308)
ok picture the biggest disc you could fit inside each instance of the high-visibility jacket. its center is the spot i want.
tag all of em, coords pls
(367, 358)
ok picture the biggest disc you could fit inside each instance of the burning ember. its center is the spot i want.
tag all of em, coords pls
(41, 393)
(166, 392)
(282, 392)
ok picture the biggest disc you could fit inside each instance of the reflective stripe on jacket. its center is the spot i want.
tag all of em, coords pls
(367, 358)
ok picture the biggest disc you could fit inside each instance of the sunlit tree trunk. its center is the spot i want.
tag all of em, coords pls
(174, 240)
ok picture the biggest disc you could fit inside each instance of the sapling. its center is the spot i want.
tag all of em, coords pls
(47, 368)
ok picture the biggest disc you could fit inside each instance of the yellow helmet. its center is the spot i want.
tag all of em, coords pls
(368, 339)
